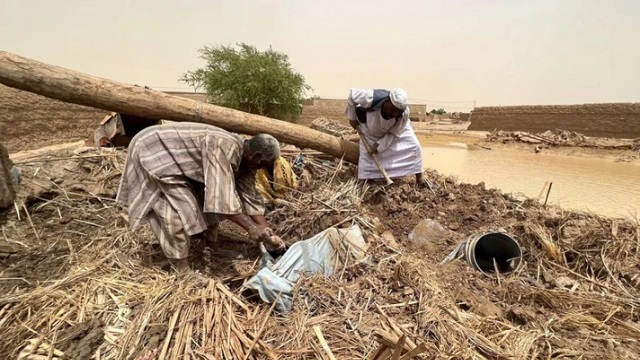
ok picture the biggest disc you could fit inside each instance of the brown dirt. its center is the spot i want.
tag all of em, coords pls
(613, 120)
(458, 207)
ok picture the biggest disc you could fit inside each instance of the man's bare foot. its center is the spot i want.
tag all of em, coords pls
(181, 265)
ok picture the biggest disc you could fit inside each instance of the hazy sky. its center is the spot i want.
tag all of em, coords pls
(493, 52)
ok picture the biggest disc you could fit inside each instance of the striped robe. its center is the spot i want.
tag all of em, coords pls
(165, 167)
(399, 150)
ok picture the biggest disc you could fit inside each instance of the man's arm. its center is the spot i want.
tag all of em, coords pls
(256, 231)
(361, 97)
(260, 220)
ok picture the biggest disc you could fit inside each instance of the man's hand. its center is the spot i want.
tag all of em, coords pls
(354, 124)
(259, 233)
(258, 230)
(276, 243)
(374, 149)
(267, 236)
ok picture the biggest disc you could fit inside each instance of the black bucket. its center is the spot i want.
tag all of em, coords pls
(480, 251)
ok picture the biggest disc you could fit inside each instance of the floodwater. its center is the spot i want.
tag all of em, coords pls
(591, 184)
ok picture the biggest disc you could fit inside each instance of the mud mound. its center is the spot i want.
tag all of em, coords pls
(312, 112)
(457, 206)
(332, 127)
(75, 278)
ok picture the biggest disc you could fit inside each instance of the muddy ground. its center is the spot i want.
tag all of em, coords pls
(480, 140)
(583, 305)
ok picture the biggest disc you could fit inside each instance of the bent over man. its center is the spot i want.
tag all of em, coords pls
(383, 117)
(187, 177)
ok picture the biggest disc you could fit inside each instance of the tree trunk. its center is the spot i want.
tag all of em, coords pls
(7, 191)
(78, 88)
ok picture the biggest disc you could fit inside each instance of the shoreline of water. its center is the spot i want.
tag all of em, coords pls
(581, 183)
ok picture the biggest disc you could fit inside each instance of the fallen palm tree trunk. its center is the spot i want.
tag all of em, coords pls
(78, 88)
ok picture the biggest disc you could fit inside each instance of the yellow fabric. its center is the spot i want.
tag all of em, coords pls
(274, 186)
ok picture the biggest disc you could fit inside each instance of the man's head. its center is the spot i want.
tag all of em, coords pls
(396, 104)
(259, 152)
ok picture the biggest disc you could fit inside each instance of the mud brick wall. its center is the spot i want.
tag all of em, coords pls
(613, 120)
(29, 121)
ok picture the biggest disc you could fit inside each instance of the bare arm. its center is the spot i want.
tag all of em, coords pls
(260, 220)
(248, 224)
(257, 228)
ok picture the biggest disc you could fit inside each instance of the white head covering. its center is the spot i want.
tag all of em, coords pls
(398, 98)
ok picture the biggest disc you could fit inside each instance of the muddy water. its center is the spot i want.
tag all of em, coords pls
(592, 184)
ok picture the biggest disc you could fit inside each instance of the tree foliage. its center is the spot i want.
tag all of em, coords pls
(440, 111)
(244, 78)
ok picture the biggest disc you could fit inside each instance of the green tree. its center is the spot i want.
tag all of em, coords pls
(440, 111)
(244, 78)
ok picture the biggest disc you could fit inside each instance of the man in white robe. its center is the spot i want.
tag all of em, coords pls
(383, 117)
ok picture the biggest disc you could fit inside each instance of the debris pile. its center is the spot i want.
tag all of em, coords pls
(332, 127)
(75, 282)
(559, 138)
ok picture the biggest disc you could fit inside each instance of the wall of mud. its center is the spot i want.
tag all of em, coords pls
(614, 120)
(30, 121)
(334, 109)
(338, 105)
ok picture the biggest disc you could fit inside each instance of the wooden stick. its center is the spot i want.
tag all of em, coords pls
(397, 351)
(548, 191)
(262, 326)
(172, 326)
(417, 351)
(323, 342)
(374, 156)
(25, 162)
(234, 298)
(376, 354)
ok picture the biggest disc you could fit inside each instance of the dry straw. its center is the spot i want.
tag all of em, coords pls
(103, 288)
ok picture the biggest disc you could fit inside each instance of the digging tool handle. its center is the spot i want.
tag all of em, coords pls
(374, 156)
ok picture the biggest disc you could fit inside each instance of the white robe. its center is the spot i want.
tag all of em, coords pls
(399, 150)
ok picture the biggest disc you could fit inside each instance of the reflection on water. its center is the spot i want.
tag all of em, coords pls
(602, 186)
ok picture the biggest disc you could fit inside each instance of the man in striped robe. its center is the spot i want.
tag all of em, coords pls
(383, 118)
(184, 178)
